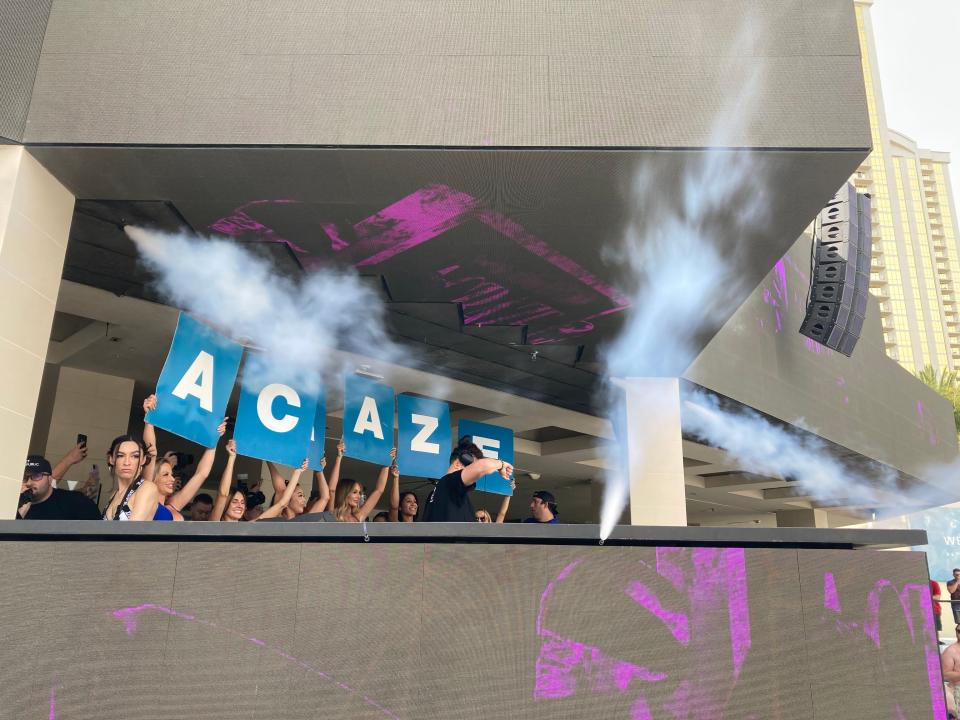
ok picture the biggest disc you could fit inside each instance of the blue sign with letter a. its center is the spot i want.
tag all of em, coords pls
(495, 442)
(274, 420)
(318, 437)
(368, 420)
(196, 382)
(423, 445)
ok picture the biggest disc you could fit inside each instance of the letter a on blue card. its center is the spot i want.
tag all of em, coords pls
(424, 443)
(368, 420)
(495, 442)
(275, 418)
(196, 382)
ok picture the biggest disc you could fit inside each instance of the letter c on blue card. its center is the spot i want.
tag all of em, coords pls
(196, 382)
(275, 419)
(368, 420)
(424, 443)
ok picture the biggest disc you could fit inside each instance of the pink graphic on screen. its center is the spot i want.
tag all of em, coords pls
(492, 289)
(691, 593)
(704, 586)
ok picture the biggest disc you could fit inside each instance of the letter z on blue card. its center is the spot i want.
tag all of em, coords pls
(424, 443)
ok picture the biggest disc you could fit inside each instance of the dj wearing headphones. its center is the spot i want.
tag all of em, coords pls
(450, 499)
(544, 509)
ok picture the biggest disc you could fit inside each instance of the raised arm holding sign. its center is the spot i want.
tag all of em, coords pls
(494, 442)
(368, 420)
(196, 382)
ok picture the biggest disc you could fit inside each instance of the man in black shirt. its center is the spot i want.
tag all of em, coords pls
(450, 499)
(40, 500)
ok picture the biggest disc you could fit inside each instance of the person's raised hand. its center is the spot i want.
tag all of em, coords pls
(323, 463)
(341, 448)
(305, 465)
(395, 471)
(222, 427)
(149, 404)
(513, 484)
(77, 453)
(232, 447)
(506, 470)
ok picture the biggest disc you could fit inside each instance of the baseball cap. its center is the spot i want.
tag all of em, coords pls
(37, 465)
(546, 496)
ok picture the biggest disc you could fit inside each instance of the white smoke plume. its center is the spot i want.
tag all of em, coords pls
(683, 285)
(299, 326)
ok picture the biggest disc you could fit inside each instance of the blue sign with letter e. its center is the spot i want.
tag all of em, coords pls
(318, 436)
(274, 419)
(495, 442)
(423, 445)
(368, 420)
(196, 382)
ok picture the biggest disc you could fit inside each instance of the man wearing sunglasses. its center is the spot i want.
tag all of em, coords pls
(40, 500)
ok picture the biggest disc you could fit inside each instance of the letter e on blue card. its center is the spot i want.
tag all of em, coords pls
(424, 443)
(495, 442)
(196, 382)
(368, 420)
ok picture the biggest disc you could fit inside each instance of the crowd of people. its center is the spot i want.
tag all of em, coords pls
(148, 486)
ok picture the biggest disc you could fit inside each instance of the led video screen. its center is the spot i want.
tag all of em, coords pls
(131, 630)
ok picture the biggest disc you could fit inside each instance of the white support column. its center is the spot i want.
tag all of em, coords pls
(35, 215)
(655, 451)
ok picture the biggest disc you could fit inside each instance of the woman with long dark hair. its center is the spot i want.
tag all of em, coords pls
(134, 497)
(403, 505)
(231, 501)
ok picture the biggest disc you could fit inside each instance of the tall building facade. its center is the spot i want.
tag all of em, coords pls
(916, 261)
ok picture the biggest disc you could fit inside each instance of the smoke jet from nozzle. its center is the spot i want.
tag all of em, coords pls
(298, 325)
(680, 249)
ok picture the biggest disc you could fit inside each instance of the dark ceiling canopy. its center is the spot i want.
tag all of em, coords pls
(490, 262)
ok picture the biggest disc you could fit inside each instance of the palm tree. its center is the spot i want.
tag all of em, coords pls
(946, 384)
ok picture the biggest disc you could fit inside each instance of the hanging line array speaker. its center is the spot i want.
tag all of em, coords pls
(840, 281)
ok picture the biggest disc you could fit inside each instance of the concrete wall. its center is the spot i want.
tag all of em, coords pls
(95, 405)
(22, 25)
(448, 72)
(35, 215)
(866, 403)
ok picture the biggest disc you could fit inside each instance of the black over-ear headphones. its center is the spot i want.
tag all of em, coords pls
(463, 451)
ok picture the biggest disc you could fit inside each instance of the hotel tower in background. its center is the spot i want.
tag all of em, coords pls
(916, 260)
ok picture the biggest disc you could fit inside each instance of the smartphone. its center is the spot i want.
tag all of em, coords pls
(81, 439)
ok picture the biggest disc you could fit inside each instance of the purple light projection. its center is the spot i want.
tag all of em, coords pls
(492, 291)
(130, 617)
(926, 425)
(691, 594)
(709, 584)
(906, 596)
